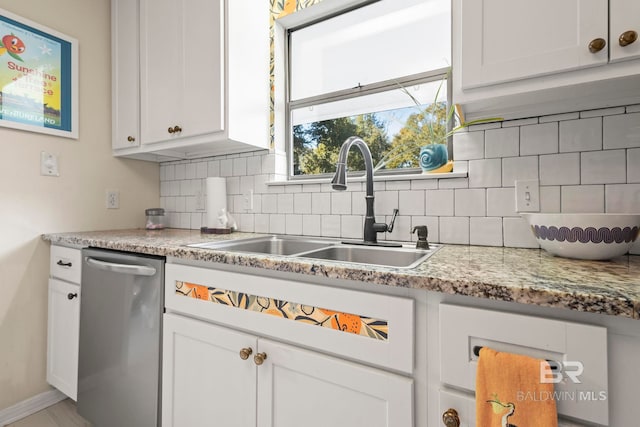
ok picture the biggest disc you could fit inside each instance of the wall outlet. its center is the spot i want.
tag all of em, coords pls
(48, 164)
(113, 199)
(528, 196)
(247, 200)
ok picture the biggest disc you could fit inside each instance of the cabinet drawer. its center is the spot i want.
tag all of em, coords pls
(463, 328)
(65, 263)
(373, 328)
(465, 407)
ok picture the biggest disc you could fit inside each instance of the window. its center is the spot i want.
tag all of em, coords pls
(370, 72)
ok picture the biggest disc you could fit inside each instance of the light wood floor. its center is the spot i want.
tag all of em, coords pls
(62, 414)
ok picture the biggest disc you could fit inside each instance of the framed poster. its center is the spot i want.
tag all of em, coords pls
(38, 78)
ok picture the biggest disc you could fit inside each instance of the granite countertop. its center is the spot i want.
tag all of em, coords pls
(528, 276)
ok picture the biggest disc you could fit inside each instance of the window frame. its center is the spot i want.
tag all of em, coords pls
(360, 90)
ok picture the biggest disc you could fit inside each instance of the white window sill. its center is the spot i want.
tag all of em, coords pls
(361, 178)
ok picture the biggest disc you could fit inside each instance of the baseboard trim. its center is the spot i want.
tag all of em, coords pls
(30, 406)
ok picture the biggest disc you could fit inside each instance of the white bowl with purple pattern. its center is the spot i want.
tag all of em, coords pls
(598, 236)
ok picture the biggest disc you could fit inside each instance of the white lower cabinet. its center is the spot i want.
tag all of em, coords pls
(213, 375)
(63, 334)
(63, 319)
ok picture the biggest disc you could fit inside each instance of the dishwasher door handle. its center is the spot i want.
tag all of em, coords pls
(136, 270)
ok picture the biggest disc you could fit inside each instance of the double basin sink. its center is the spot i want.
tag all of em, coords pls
(402, 256)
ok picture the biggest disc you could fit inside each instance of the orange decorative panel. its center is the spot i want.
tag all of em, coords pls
(339, 321)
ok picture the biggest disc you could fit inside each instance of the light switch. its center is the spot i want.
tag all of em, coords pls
(48, 164)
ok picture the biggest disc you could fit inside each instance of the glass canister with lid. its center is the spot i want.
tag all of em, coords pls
(155, 218)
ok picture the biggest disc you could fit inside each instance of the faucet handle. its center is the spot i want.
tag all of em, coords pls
(393, 220)
(423, 232)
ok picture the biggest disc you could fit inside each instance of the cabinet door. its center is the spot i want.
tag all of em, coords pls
(505, 40)
(205, 381)
(299, 387)
(126, 73)
(625, 18)
(62, 336)
(182, 68)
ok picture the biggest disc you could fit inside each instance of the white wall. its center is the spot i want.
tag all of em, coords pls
(31, 204)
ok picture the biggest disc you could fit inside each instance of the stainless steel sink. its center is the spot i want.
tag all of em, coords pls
(271, 245)
(405, 256)
(374, 255)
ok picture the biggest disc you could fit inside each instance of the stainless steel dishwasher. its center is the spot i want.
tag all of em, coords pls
(120, 338)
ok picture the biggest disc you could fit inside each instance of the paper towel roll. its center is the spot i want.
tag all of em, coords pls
(216, 201)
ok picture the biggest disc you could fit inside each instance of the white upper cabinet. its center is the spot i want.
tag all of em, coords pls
(625, 26)
(505, 40)
(182, 46)
(524, 58)
(125, 68)
(201, 86)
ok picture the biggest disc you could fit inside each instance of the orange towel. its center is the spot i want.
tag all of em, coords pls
(509, 392)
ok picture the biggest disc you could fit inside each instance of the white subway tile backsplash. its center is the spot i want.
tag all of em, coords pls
(621, 131)
(559, 117)
(560, 169)
(358, 205)
(330, 225)
(270, 203)
(411, 202)
(261, 223)
(470, 202)
(439, 203)
(519, 168)
(633, 165)
(520, 122)
(233, 185)
(451, 183)
(226, 167)
(563, 151)
(485, 173)
(517, 233)
(398, 185)
(581, 135)
(352, 226)
(321, 203)
(539, 139)
(427, 184)
(341, 203)
(190, 171)
(311, 188)
(246, 223)
(504, 142)
(550, 199)
(622, 198)
(254, 165)
(582, 199)
(485, 231)
(285, 203)
(302, 203)
(180, 171)
(385, 202)
(604, 167)
(311, 225)
(401, 228)
(454, 230)
(293, 224)
(602, 112)
(501, 202)
(468, 145)
(213, 168)
(297, 188)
